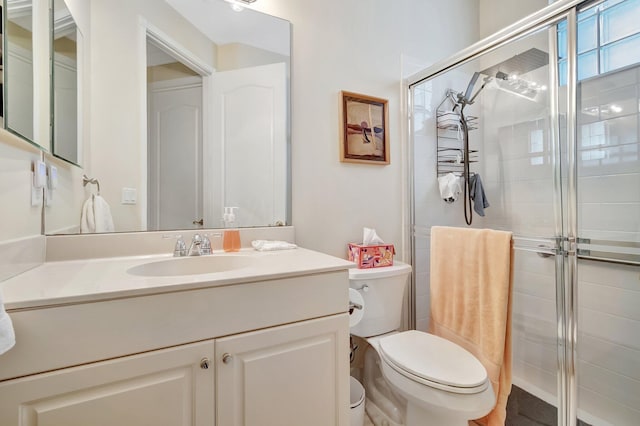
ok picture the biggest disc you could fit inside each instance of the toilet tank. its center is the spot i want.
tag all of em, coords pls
(382, 290)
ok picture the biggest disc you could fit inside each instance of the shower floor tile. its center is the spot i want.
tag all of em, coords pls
(524, 409)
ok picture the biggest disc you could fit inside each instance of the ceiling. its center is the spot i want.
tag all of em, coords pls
(222, 25)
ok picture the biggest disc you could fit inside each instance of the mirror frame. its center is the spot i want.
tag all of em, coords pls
(52, 118)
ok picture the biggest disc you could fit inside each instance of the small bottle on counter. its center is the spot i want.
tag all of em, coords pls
(230, 237)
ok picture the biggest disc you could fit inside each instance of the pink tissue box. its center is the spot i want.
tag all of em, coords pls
(374, 256)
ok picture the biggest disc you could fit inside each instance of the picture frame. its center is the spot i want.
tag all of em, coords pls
(365, 129)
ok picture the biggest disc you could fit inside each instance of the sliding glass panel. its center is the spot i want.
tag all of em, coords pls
(608, 167)
(514, 121)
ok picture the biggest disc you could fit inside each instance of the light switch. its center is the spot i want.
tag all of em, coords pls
(129, 196)
(52, 176)
(39, 174)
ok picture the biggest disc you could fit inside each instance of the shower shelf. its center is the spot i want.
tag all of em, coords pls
(450, 145)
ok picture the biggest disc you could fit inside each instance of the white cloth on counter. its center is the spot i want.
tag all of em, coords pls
(96, 216)
(450, 188)
(271, 245)
(7, 335)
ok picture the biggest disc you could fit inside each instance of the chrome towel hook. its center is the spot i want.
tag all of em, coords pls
(86, 180)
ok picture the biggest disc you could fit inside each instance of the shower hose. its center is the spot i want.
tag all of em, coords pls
(468, 208)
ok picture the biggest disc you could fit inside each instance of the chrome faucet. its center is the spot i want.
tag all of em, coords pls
(180, 248)
(196, 246)
(205, 247)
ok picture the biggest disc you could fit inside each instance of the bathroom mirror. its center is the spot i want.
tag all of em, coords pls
(185, 112)
(64, 84)
(26, 70)
(19, 68)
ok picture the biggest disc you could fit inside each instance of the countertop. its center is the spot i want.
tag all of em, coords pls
(92, 280)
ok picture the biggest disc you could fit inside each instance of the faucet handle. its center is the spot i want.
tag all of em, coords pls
(205, 246)
(180, 248)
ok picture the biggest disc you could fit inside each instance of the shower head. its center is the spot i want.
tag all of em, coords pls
(467, 98)
(508, 73)
(472, 83)
(519, 64)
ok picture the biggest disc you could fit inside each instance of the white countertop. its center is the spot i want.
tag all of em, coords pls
(91, 280)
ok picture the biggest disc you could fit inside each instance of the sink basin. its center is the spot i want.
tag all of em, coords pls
(191, 266)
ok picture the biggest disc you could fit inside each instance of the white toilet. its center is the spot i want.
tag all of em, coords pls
(439, 382)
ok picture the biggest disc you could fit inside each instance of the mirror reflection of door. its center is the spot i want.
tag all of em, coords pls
(174, 149)
(249, 127)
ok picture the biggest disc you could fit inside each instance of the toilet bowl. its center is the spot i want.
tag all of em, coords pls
(435, 381)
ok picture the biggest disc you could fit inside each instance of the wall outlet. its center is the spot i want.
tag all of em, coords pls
(129, 196)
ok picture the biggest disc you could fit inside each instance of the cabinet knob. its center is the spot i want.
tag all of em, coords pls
(227, 358)
(204, 363)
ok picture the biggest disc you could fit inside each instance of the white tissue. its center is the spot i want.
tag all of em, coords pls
(370, 237)
(267, 245)
(356, 316)
(450, 188)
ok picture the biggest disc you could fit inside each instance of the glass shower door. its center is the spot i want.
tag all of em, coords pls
(515, 147)
(608, 205)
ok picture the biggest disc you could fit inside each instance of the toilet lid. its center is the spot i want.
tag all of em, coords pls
(434, 359)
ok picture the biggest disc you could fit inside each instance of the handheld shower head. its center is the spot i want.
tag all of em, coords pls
(472, 83)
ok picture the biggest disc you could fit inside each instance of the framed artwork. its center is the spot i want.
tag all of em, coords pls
(365, 133)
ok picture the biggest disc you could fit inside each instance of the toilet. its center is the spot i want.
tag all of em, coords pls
(422, 379)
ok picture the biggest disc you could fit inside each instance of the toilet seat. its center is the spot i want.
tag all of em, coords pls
(434, 361)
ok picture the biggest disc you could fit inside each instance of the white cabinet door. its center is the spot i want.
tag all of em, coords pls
(292, 375)
(165, 387)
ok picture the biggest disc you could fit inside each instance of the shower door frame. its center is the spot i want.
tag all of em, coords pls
(565, 250)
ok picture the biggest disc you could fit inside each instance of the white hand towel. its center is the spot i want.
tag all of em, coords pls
(450, 187)
(266, 245)
(96, 216)
(7, 335)
(87, 220)
(102, 212)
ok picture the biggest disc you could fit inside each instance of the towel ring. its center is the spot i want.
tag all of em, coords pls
(86, 180)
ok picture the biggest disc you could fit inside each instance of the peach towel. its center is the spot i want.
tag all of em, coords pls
(471, 280)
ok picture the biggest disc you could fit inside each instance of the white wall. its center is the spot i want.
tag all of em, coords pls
(18, 219)
(496, 14)
(357, 46)
(21, 246)
(237, 55)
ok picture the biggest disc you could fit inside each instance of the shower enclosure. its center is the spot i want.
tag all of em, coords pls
(555, 139)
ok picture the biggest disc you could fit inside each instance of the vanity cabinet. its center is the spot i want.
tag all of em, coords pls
(261, 353)
(287, 375)
(166, 387)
